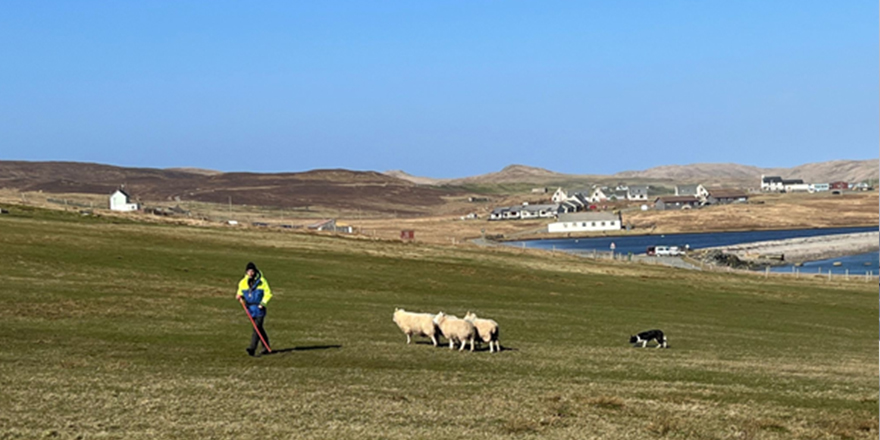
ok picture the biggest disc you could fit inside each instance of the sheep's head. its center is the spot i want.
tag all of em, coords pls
(397, 313)
(439, 318)
(470, 316)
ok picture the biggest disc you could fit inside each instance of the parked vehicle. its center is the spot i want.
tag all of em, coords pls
(665, 251)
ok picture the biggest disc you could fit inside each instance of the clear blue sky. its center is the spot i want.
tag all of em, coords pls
(439, 88)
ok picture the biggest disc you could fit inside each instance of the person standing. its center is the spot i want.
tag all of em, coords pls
(254, 293)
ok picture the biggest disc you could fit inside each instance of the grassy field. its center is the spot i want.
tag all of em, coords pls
(115, 329)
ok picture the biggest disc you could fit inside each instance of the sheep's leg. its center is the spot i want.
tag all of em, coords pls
(498, 346)
(434, 340)
(463, 343)
(408, 338)
(491, 347)
(472, 344)
(451, 345)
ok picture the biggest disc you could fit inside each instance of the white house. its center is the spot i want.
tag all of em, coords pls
(121, 201)
(539, 211)
(559, 196)
(819, 187)
(771, 183)
(637, 192)
(698, 191)
(585, 222)
(795, 185)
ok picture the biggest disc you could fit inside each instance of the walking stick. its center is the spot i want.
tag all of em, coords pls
(260, 334)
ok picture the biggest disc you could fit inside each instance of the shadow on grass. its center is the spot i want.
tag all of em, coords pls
(305, 348)
(483, 347)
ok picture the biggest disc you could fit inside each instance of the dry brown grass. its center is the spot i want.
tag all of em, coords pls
(444, 226)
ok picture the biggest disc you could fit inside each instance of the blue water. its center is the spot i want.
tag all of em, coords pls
(856, 264)
(637, 244)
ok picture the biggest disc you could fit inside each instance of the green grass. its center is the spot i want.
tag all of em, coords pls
(124, 330)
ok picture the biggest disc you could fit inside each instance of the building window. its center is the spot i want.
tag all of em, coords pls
(603, 223)
(594, 224)
(584, 224)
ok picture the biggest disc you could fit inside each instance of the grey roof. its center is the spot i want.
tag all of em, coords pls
(538, 208)
(638, 189)
(770, 179)
(500, 210)
(687, 190)
(792, 181)
(617, 194)
(585, 199)
(588, 217)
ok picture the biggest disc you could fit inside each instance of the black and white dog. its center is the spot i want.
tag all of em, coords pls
(644, 337)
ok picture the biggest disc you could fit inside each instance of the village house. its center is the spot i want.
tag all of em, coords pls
(723, 196)
(498, 213)
(795, 185)
(604, 194)
(539, 211)
(586, 222)
(513, 213)
(121, 201)
(819, 187)
(664, 203)
(559, 196)
(698, 191)
(861, 186)
(839, 185)
(637, 192)
(771, 183)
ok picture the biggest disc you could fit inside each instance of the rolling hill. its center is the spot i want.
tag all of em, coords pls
(335, 189)
(708, 173)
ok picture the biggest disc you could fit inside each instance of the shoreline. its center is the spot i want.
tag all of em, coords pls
(543, 237)
(797, 250)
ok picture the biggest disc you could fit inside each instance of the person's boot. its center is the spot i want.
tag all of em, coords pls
(264, 352)
(250, 351)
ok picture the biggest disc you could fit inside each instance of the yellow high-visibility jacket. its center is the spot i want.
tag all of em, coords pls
(259, 295)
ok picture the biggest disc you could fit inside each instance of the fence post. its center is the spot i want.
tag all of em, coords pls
(829, 274)
(846, 277)
(797, 273)
(767, 272)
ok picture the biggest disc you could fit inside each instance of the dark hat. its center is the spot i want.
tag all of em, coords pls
(250, 266)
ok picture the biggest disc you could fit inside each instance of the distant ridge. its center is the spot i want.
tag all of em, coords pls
(846, 170)
(200, 171)
(709, 173)
(399, 174)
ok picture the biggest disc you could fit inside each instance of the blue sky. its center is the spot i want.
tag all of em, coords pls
(442, 89)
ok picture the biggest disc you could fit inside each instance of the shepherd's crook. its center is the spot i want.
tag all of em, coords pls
(260, 334)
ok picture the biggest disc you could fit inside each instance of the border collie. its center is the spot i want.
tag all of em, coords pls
(644, 337)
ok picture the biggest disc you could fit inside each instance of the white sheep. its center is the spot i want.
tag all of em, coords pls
(487, 330)
(456, 330)
(419, 324)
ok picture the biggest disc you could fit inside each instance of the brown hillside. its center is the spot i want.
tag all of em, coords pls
(847, 170)
(517, 174)
(335, 189)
